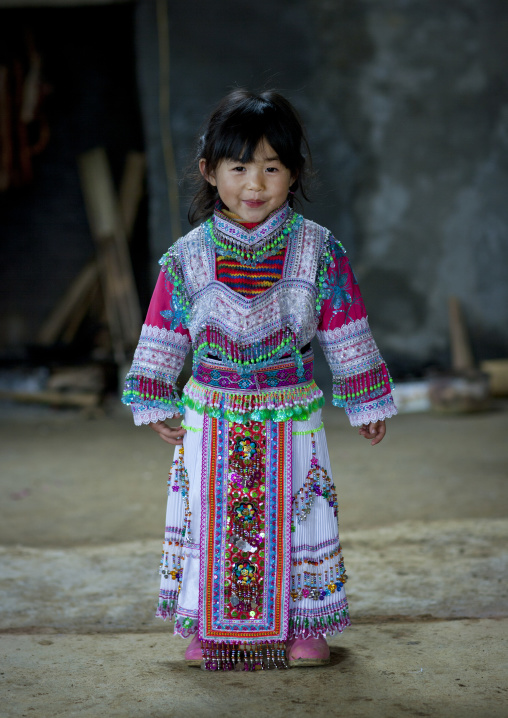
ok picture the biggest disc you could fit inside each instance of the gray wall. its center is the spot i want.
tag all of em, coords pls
(427, 103)
(406, 106)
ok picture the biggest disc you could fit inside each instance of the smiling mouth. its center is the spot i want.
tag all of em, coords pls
(254, 202)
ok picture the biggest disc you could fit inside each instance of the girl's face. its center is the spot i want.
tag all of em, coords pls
(254, 189)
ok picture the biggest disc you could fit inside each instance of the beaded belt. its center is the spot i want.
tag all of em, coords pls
(214, 374)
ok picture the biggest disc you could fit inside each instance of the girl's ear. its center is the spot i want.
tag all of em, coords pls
(209, 177)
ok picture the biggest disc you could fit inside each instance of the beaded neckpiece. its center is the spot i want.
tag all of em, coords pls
(249, 247)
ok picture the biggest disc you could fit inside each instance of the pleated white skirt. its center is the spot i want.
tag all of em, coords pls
(318, 604)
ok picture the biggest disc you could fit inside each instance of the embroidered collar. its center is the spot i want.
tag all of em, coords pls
(251, 246)
(230, 229)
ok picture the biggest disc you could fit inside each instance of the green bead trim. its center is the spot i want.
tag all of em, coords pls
(308, 431)
(296, 413)
(244, 366)
(253, 257)
(190, 428)
(295, 433)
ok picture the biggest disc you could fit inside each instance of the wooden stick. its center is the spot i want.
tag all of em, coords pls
(66, 317)
(131, 189)
(462, 356)
(63, 311)
(82, 308)
(122, 305)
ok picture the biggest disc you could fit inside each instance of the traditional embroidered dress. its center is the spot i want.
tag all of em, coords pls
(251, 555)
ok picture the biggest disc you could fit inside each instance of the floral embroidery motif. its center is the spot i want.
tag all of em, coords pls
(185, 626)
(337, 291)
(177, 314)
(244, 572)
(245, 512)
(338, 285)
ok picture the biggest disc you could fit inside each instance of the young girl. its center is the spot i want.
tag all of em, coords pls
(252, 566)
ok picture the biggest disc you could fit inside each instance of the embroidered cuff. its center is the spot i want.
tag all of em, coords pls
(160, 354)
(150, 400)
(370, 411)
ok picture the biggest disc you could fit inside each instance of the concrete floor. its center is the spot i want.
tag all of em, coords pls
(424, 529)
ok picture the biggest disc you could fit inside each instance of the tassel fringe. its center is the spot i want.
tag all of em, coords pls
(279, 405)
(244, 656)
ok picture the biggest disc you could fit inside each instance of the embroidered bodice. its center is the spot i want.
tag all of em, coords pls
(199, 303)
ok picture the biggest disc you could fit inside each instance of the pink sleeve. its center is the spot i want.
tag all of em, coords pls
(361, 382)
(158, 359)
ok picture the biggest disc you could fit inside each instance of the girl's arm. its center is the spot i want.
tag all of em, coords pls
(158, 360)
(361, 382)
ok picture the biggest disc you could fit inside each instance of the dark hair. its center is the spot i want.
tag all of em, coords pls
(233, 131)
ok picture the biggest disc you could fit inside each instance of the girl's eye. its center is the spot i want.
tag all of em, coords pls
(272, 169)
(238, 169)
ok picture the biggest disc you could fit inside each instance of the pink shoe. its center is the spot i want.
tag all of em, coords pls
(194, 654)
(307, 652)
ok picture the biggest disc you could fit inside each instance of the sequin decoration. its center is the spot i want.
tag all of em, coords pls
(246, 525)
(317, 483)
(178, 480)
(317, 579)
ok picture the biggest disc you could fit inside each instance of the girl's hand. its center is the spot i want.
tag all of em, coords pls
(374, 431)
(169, 434)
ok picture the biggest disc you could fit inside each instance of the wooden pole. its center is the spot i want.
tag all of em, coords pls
(462, 356)
(120, 295)
(131, 189)
(70, 311)
(74, 298)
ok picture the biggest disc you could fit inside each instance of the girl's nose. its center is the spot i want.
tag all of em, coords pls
(255, 180)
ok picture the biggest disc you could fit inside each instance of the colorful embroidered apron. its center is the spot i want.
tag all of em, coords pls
(246, 507)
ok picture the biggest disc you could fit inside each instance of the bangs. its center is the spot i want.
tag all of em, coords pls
(246, 127)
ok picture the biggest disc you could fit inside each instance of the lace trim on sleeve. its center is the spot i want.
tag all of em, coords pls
(371, 411)
(144, 414)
